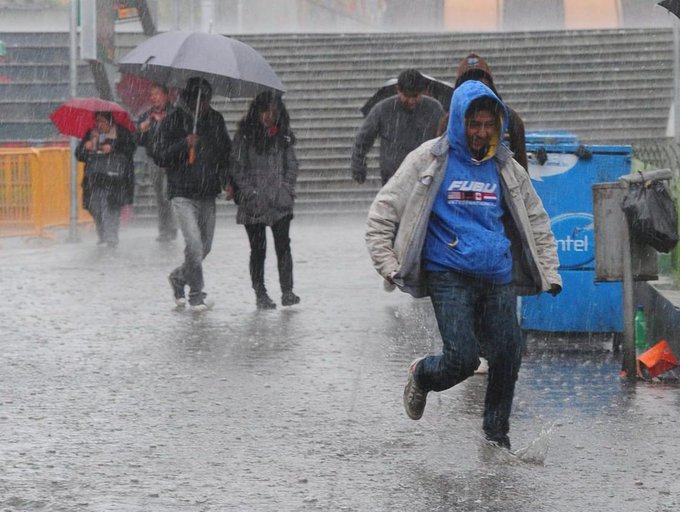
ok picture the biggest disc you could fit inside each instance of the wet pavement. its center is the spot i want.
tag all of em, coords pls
(113, 400)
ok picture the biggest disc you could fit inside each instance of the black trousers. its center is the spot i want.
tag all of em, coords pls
(258, 251)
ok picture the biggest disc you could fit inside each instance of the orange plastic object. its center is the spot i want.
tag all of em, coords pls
(658, 359)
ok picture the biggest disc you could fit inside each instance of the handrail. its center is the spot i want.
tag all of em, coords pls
(653, 175)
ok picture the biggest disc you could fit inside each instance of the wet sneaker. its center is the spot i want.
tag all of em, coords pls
(200, 304)
(501, 441)
(178, 291)
(264, 301)
(289, 299)
(414, 396)
(483, 367)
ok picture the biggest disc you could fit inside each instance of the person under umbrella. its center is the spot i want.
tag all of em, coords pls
(193, 184)
(148, 127)
(109, 180)
(264, 174)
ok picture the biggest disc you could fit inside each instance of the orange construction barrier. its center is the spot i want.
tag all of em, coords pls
(35, 191)
(658, 359)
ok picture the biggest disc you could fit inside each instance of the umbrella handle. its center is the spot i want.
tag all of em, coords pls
(192, 149)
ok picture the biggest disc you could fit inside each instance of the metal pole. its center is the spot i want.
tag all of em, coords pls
(676, 81)
(73, 87)
(629, 359)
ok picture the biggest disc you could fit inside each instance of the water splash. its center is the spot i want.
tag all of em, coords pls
(537, 450)
(534, 453)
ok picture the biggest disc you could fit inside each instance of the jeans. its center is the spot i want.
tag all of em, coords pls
(258, 250)
(167, 223)
(471, 313)
(105, 211)
(196, 219)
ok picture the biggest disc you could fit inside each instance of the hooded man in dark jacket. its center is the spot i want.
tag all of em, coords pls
(195, 150)
(474, 67)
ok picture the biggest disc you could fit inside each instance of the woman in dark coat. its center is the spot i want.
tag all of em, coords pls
(109, 180)
(264, 174)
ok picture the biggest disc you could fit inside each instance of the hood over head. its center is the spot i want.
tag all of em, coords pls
(462, 98)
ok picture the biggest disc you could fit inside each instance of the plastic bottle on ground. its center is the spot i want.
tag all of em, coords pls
(640, 330)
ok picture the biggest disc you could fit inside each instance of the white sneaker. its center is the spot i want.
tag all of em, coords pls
(483, 367)
(204, 305)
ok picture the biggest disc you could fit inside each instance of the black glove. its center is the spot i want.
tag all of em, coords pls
(554, 290)
(359, 177)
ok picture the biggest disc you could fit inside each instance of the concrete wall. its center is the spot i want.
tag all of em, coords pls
(661, 300)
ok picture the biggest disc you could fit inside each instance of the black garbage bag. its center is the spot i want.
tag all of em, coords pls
(652, 215)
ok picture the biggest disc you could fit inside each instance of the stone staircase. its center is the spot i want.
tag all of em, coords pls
(605, 86)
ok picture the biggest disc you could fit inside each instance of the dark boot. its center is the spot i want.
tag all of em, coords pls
(289, 299)
(263, 301)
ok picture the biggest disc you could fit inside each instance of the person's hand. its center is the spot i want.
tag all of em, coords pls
(359, 177)
(555, 289)
(89, 145)
(388, 283)
(192, 140)
(106, 148)
(144, 126)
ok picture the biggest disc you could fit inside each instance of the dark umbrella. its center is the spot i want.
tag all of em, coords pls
(673, 6)
(438, 89)
(232, 68)
(76, 116)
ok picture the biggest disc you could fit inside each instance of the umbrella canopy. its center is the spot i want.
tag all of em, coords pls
(135, 93)
(673, 6)
(438, 89)
(76, 116)
(232, 68)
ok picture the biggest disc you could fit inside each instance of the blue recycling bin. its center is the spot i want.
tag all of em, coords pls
(563, 172)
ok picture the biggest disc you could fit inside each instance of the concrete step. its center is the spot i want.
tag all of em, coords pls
(38, 54)
(56, 91)
(45, 72)
(19, 131)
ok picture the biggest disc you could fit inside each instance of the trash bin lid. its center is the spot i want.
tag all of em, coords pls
(551, 137)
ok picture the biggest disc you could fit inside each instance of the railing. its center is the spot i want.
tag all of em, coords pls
(35, 191)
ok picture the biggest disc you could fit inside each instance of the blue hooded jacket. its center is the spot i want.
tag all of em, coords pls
(465, 231)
